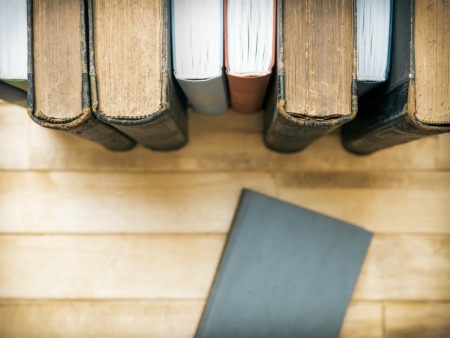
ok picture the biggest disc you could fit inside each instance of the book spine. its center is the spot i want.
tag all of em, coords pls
(84, 125)
(387, 122)
(165, 129)
(286, 132)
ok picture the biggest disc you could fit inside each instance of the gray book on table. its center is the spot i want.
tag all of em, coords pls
(285, 272)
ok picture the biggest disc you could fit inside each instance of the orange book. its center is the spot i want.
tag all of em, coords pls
(250, 39)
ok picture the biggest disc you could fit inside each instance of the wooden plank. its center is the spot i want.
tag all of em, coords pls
(430, 320)
(443, 153)
(406, 268)
(80, 202)
(92, 319)
(227, 142)
(183, 267)
(388, 202)
(14, 137)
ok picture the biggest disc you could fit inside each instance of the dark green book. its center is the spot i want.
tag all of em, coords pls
(58, 84)
(415, 100)
(285, 272)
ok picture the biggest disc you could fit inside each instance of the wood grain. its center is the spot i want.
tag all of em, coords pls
(427, 320)
(183, 266)
(384, 202)
(135, 319)
(218, 145)
(82, 202)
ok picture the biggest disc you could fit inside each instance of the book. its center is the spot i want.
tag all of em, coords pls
(131, 77)
(314, 89)
(58, 82)
(373, 43)
(197, 46)
(285, 271)
(13, 43)
(414, 102)
(250, 34)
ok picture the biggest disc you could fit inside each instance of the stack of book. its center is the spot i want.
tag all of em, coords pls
(378, 67)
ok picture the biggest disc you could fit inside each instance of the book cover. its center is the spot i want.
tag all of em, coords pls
(58, 82)
(13, 94)
(248, 90)
(314, 89)
(131, 78)
(285, 272)
(414, 102)
(197, 47)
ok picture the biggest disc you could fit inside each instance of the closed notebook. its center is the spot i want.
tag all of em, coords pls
(285, 272)
(197, 41)
(314, 88)
(131, 77)
(58, 82)
(250, 34)
(415, 100)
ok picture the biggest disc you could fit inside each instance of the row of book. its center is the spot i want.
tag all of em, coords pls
(380, 68)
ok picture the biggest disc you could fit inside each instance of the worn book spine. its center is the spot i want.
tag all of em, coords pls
(85, 124)
(387, 116)
(287, 132)
(165, 129)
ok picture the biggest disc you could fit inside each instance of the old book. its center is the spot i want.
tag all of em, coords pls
(250, 34)
(13, 94)
(415, 101)
(314, 88)
(373, 43)
(197, 41)
(285, 272)
(13, 43)
(58, 95)
(132, 83)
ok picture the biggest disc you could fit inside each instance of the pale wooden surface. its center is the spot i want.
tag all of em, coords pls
(101, 244)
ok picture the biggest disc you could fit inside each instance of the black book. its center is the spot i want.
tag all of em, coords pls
(285, 272)
(415, 100)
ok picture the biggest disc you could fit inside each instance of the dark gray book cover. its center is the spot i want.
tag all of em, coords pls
(85, 124)
(12, 94)
(388, 115)
(285, 272)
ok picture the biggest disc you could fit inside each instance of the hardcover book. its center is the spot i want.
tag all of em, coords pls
(314, 89)
(285, 272)
(58, 82)
(131, 77)
(415, 101)
(197, 31)
(249, 51)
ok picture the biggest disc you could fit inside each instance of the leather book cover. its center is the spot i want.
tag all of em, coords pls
(247, 92)
(290, 131)
(285, 271)
(83, 124)
(163, 128)
(393, 113)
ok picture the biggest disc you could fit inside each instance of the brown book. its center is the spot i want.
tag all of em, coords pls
(415, 100)
(314, 88)
(248, 86)
(58, 83)
(132, 83)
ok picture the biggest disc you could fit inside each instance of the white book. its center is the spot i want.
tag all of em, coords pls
(374, 26)
(13, 40)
